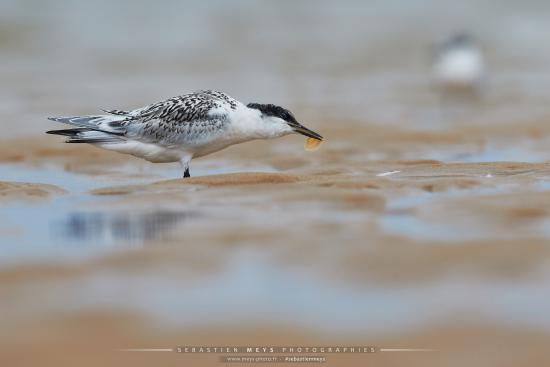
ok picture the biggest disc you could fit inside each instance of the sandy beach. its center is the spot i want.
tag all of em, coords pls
(463, 236)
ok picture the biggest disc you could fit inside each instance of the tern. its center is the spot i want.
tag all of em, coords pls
(183, 127)
(459, 64)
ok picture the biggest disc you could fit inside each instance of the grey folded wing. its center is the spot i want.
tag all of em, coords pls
(183, 119)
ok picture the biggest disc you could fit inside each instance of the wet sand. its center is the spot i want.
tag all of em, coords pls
(19, 191)
(371, 210)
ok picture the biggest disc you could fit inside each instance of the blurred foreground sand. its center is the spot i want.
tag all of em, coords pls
(318, 213)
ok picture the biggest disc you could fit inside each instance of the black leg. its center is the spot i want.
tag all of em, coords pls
(186, 173)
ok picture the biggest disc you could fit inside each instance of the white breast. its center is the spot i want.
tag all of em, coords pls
(462, 67)
(149, 151)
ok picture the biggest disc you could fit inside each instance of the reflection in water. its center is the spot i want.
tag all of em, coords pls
(119, 226)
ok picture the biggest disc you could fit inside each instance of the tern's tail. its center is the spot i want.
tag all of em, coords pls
(92, 129)
(86, 136)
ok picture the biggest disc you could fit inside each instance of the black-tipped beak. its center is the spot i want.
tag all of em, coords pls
(300, 129)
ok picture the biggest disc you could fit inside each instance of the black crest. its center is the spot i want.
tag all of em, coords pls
(458, 40)
(274, 110)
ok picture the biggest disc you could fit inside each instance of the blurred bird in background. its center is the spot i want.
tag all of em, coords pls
(459, 67)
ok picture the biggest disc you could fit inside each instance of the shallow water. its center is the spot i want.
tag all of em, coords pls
(403, 216)
(78, 224)
(254, 290)
(284, 274)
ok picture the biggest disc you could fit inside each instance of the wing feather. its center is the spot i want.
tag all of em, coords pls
(190, 118)
(180, 119)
